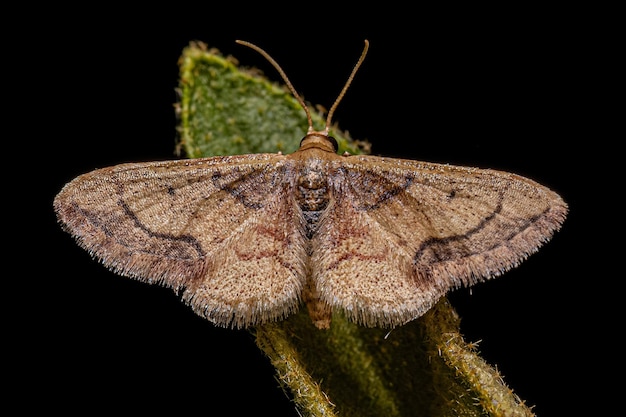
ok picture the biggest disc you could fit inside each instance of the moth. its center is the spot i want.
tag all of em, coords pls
(248, 239)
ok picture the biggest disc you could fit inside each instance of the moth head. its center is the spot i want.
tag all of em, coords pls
(321, 140)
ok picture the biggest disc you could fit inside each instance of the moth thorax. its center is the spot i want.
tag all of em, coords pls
(312, 188)
(312, 196)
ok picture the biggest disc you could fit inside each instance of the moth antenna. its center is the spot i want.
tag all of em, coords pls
(329, 117)
(282, 74)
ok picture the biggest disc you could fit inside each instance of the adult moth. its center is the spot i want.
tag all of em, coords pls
(246, 239)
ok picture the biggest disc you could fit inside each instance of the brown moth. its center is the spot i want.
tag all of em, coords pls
(246, 239)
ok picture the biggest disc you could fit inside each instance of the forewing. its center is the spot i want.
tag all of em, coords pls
(401, 233)
(219, 228)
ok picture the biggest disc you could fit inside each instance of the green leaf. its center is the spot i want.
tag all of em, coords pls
(423, 368)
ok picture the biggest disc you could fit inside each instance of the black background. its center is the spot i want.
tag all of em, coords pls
(506, 89)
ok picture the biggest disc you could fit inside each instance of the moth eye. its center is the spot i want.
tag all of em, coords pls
(333, 141)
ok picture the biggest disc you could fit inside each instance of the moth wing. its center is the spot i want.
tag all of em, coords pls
(399, 234)
(219, 229)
